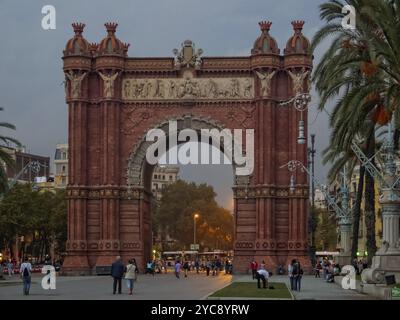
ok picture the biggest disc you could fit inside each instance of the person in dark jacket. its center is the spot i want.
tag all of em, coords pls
(117, 271)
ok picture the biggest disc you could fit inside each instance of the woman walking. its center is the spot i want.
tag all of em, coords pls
(131, 275)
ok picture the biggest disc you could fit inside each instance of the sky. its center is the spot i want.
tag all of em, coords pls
(31, 89)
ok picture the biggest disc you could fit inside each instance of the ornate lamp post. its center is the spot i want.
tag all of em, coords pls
(300, 103)
(387, 258)
(343, 213)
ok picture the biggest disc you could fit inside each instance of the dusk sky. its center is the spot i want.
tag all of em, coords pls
(31, 76)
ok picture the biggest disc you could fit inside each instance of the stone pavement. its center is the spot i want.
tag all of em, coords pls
(159, 287)
(164, 287)
(315, 289)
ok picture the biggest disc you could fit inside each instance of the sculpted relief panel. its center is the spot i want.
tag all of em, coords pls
(186, 88)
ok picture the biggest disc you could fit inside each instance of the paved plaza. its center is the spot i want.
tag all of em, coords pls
(162, 287)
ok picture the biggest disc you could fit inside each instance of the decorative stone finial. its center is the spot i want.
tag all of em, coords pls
(265, 25)
(298, 25)
(93, 47)
(125, 46)
(78, 28)
(111, 27)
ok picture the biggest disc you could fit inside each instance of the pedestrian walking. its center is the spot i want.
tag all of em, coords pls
(318, 268)
(254, 267)
(218, 266)
(10, 268)
(131, 275)
(117, 271)
(290, 274)
(197, 266)
(177, 269)
(26, 271)
(208, 267)
(186, 268)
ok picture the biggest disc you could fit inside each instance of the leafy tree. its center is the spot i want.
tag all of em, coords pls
(39, 216)
(326, 235)
(175, 215)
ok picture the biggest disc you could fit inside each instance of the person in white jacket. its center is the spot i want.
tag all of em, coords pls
(131, 275)
(263, 275)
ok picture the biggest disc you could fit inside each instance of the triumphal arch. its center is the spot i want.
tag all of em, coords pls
(113, 100)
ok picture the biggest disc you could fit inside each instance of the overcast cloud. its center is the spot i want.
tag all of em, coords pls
(31, 76)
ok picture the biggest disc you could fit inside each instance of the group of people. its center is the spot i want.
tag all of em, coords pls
(213, 267)
(295, 273)
(329, 270)
(118, 270)
(260, 273)
(360, 265)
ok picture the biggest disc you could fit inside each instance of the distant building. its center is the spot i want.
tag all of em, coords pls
(163, 176)
(24, 160)
(61, 166)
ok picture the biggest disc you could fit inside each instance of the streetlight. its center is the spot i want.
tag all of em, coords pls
(195, 217)
(300, 103)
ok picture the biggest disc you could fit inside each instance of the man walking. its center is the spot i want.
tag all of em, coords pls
(25, 271)
(117, 271)
(10, 268)
(177, 268)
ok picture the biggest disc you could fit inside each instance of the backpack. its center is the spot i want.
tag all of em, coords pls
(295, 270)
(26, 272)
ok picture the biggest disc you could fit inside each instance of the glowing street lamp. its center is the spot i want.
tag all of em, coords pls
(195, 217)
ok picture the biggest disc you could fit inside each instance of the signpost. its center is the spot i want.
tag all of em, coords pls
(194, 247)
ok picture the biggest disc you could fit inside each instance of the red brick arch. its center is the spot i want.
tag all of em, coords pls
(114, 99)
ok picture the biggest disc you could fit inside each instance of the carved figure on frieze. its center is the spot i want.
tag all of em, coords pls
(247, 88)
(188, 87)
(75, 81)
(212, 91)
(108, 84)
(127, 89)
(159, 89)
(146, 89)
(265, 79)
(172, 89)
(298, 80)
(235, 88)
(196, 89)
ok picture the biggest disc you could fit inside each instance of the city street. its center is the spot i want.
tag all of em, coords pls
(160, 287)
(164, 287)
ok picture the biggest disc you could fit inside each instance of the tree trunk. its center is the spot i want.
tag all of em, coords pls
(357, 212)
(370, 203)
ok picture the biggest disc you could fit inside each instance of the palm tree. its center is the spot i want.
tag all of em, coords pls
(5, 158)
(357, 70)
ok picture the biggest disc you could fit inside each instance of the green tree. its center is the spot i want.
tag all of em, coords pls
(175, 215)
(326, 235)
(39, 216)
